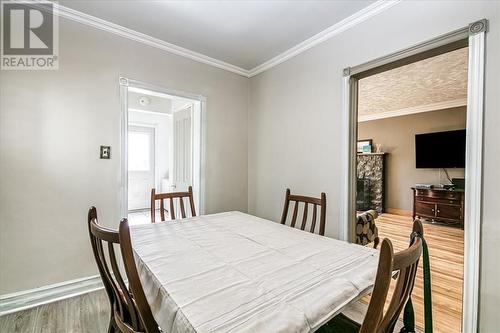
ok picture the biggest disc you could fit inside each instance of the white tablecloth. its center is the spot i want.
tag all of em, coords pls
(233, 272)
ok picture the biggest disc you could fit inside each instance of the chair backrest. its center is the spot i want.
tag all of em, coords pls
(315, 202)
(406, 264)
(131, 313)
(171, 196)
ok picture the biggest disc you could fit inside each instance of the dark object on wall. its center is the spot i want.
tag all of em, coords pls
(440, 149)
(372, 167)
(459, 183)
(105, 152)
(439, 205)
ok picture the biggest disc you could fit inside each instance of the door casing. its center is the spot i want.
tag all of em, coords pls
(199, 138)
(474, 36)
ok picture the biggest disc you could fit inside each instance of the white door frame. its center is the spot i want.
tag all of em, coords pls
(475, 34)
(199, 142)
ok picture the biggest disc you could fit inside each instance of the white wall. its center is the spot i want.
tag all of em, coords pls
(156, 104)
(51, 126)
(295, 121)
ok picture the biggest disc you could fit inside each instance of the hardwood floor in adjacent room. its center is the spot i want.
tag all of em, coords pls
(446, 252)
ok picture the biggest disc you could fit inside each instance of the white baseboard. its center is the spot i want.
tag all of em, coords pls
(23, 300)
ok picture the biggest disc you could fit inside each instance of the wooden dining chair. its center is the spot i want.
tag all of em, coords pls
(315, 202)
(130, 311)
(171, 196)
(405, 263)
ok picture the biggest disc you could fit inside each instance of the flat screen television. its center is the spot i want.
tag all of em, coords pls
(440, 149)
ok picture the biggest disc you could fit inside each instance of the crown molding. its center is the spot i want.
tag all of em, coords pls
(95, 22)
(347, 23)
(416, 109)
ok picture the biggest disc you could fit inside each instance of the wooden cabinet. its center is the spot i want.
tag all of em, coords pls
(439, 205)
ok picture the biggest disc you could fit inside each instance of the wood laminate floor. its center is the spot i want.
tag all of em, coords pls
(89, 313)
(446, 252)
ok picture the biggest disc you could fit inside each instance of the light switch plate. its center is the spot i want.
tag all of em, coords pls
(105, 152)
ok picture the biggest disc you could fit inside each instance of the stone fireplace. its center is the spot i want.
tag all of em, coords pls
(370, 184)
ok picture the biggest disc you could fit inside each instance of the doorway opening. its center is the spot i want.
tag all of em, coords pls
(161, 146)
(410, 163)
(472, 37)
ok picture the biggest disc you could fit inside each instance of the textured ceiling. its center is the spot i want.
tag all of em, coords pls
(431, 81)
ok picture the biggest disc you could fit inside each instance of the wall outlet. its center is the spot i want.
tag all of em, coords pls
(105, 152)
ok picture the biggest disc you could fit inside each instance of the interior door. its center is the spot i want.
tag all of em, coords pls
(141, 166)
(182, 149)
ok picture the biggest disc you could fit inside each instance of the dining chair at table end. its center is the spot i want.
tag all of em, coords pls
(130, 311)
(171, 196)
(306, 201)
(376, 321)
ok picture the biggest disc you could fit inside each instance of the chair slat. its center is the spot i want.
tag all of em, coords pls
(183, 211)
(304, 217)
(172, 209)
(152, 205)
(162, 210)
(313, 222)
(294, 216)
(124, 295)
(107, 276)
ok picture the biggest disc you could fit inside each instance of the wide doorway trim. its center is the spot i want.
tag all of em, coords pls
(473, 36)
(199, 156)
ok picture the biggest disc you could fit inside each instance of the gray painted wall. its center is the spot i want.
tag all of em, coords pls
(295, 120)
(51, 126)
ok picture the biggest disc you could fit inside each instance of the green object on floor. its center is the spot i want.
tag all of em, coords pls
(409, 315)
(340, 324)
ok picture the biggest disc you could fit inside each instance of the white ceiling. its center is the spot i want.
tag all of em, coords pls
(242, 33)
(432, 84)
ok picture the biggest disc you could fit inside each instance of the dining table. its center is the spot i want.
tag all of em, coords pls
(234, 272)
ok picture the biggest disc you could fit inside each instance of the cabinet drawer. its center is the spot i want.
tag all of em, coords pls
(424, 208)
(451, 201)
(449, 211)
(439, 194)
(452, 195)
